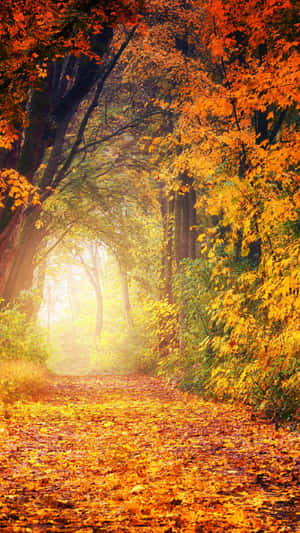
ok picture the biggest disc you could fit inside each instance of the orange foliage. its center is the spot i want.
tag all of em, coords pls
(231, 70)
(35, 34)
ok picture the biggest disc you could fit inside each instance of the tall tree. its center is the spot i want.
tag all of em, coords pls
(92, 267)
(57, 60)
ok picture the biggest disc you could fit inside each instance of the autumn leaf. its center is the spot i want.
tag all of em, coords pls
(169, 462)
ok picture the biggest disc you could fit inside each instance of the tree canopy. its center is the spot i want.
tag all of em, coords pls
(124, 116)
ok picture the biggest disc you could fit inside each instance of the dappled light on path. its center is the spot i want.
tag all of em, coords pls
(124, 454)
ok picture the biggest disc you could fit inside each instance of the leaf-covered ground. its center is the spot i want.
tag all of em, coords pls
(126, 454)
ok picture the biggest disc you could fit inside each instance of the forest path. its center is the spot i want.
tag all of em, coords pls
(131, 454)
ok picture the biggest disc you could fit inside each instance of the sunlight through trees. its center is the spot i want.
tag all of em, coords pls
(153, 147)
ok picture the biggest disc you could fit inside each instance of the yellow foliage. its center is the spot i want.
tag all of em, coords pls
(17, 187)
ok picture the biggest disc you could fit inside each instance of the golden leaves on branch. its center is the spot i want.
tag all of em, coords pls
(17, 187)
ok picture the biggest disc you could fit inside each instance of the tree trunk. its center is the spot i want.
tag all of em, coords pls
(73, 294)
(99, 312)
(164, 219)
(20, 270)
(193, 224)
(8, 245)
(185, 230)
(40, 276)
(185, 221)
(170, 250)
(178, 228)
(126, 299)
(94, 275)
(167, 256)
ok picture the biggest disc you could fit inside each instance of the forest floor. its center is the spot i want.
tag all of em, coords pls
(132, 454)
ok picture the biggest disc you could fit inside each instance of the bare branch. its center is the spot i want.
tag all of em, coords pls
(92, 106)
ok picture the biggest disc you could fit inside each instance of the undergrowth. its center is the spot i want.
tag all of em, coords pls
(21, 380)
(229, 345)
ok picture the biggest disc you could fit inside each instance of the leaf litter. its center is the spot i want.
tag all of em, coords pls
(124, 454)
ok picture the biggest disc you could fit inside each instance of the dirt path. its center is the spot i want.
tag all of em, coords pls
(118, 454)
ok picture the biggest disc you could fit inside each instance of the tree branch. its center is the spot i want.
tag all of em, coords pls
(90, 110)
(119, 131)
(61, 238)
(277, 126)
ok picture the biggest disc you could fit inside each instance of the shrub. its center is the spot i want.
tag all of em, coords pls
(118, 354)
(19, 337)
(21, 380)
(238, 336)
